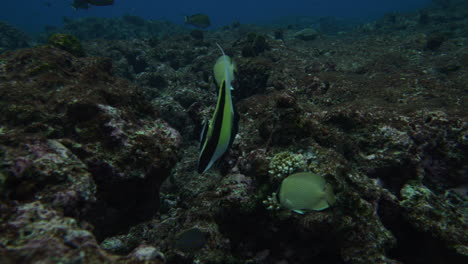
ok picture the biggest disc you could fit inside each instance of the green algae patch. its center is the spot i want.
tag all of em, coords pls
(41, 67)
(68, 43)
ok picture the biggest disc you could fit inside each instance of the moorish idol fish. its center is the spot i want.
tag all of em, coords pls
(217, 135)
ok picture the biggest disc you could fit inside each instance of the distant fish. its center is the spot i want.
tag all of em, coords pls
(198, 20)
(80, 4)
(101, 2)
(47, 3)
(84, 4)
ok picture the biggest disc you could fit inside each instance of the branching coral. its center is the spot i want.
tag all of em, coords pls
(285, 163)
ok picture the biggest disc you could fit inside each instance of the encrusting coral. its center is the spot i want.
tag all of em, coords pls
(99, 153)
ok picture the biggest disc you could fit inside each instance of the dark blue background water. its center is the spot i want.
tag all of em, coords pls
(33, 15)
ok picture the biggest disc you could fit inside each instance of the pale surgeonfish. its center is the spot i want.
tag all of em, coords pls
(218, 133)
(304, 192)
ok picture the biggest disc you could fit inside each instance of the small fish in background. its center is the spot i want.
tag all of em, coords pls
(84, 4)
(80, 4)
(101, 2)
(198, 20)
(47, 3)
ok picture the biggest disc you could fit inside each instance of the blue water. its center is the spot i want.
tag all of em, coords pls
(33, 15)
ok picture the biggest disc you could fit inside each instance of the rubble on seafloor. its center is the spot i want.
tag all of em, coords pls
(98, 152)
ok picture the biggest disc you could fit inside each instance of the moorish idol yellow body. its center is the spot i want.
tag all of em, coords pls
(217, 135)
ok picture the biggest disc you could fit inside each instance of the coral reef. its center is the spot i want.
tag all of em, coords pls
(307, 34)
(99, 154)
(286, 163)
(12, 38)
(67, 42)
(254, 45)
(37, 233)
(127, 27)
(79, 141)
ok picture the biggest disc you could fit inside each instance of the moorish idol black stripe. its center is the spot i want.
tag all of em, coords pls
(218, 134)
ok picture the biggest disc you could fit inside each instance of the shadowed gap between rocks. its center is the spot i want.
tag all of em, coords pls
(393, 178)
(123, 202)
(253, 234)
(413, 246)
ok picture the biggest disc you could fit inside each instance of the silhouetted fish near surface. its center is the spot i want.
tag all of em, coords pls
(198, 20)
(101, 2)
(84, 4)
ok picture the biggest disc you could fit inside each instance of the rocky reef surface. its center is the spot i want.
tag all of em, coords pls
(126, 27)
(12, 38)
(99, 148)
